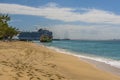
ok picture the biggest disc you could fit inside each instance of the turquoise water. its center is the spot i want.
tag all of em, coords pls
(105, 51)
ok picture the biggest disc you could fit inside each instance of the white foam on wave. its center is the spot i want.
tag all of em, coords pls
(111, 62)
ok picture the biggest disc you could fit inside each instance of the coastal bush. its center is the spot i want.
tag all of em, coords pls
(7, 32)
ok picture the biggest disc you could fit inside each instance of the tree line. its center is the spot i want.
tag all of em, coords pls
(7, 32)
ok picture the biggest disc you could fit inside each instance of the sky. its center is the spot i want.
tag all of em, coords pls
(74, 19)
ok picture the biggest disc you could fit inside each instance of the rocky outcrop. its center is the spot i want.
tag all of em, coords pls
(45, 38)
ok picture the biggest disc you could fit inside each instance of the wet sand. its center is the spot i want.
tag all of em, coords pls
(103, 66)
(28, 61)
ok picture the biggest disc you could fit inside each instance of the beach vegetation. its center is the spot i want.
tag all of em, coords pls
(7, 32)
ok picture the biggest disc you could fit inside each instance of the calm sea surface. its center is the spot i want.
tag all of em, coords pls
(104, 51)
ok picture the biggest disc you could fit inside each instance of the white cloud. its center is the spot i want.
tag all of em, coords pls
(51, 4)
(53, 11)
(99, 32)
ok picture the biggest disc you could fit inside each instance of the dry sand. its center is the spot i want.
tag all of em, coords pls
(28, 61)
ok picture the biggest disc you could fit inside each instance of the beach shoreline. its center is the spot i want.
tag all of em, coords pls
(103, 66)
(100, 65)
(26, 60)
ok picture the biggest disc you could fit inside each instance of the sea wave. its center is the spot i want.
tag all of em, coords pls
(110, 62)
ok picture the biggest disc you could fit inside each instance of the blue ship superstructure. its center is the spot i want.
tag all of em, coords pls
(34, 35)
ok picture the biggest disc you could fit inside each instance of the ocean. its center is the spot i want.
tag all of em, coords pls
(102, 51)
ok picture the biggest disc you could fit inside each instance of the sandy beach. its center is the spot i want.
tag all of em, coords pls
(28, 61)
